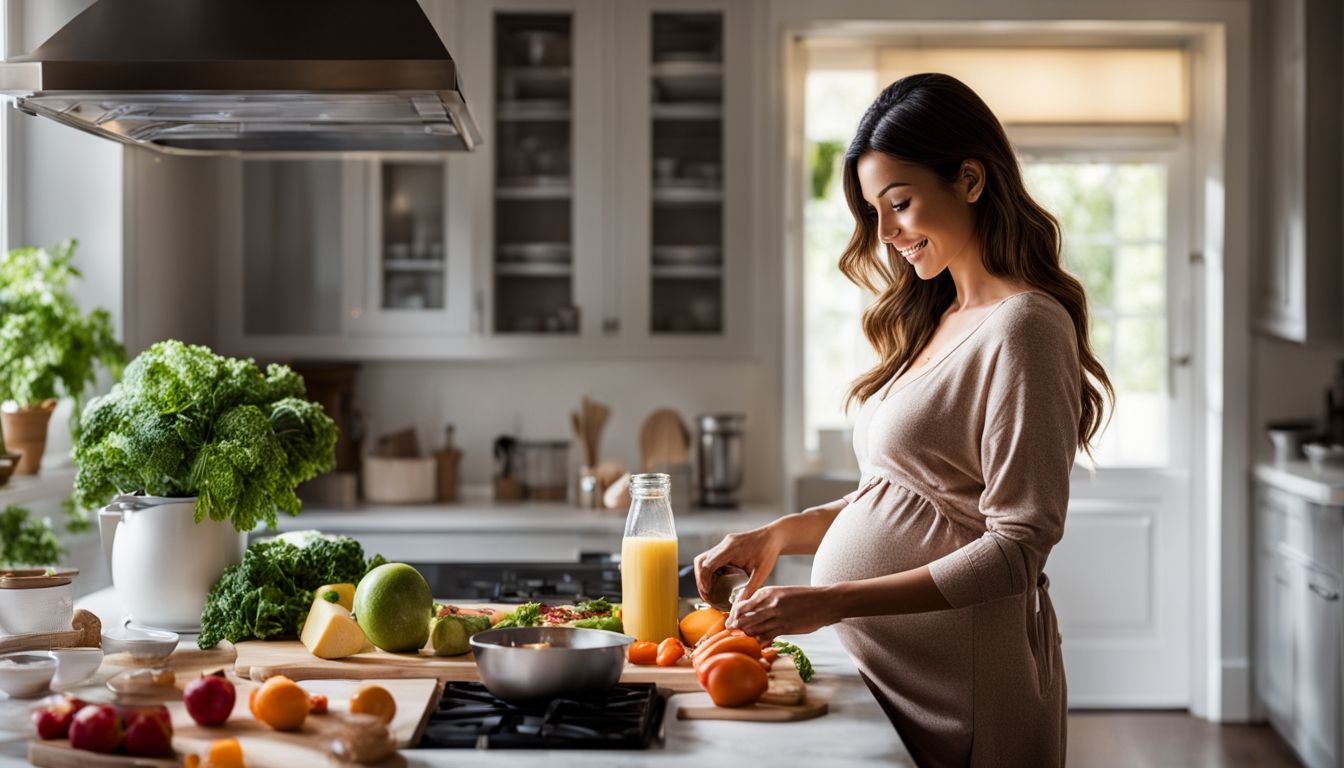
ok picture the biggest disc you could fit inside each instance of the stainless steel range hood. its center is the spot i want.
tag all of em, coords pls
(254, 76)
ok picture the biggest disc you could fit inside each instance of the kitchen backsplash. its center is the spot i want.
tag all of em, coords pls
(534, 400)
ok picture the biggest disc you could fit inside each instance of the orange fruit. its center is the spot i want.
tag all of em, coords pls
(225, 753)
(373, 700)
(281, 704)
(697, 624)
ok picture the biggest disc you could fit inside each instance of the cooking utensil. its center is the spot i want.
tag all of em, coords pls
(86, 632)
(533, 663)
(720, 455)
(663, 439)
(725, 585)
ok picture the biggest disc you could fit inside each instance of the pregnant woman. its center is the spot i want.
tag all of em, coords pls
(985, 390)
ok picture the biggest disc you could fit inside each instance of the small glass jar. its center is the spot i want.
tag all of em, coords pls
(649, 595)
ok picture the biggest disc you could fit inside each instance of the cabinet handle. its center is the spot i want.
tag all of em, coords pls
(477, 311)
(1323, 593)
(611, 326)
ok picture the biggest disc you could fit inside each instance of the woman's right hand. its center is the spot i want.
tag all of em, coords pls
(754, 551)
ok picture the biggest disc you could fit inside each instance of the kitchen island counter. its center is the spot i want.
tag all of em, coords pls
(855, 732)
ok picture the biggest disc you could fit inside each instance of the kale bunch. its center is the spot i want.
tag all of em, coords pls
(268, 595)
(184, 422)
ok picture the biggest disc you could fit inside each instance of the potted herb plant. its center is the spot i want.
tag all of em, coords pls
(47, 347)
(189, 452)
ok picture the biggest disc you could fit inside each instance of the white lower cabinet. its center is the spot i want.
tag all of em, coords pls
(1298, 616)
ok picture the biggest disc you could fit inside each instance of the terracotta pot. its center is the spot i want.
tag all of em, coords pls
(26, 432)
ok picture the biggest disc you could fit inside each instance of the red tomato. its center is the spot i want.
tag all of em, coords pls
(734, 679)
(642, 652)
(732, 644)
(670, 652)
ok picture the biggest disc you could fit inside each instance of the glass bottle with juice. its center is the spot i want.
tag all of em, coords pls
(649, 561)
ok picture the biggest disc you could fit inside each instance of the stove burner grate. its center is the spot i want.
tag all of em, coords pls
(468, 716)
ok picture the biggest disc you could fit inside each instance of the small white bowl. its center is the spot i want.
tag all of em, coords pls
(75, 665)
(1324, 456)
(142, 644)
(25, 674)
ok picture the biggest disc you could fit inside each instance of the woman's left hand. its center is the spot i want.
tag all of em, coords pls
(775, 611)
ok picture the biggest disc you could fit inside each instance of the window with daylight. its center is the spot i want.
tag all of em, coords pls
(1106, 169)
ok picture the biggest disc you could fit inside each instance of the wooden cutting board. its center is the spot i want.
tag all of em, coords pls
(260, 659)
(262, 746)
(698, 706)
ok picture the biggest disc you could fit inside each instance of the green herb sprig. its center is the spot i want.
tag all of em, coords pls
(800, 660)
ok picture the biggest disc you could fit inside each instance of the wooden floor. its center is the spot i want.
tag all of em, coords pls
(1170, 740)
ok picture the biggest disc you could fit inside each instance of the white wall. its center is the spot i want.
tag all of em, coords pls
(69, 185)
(534, 400)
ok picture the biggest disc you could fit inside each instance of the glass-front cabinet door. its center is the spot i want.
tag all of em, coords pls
(537, 77)
(684, 261)
(415, 276)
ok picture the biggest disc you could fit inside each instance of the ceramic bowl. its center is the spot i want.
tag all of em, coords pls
(141, 644)
(75, 665)
(1324, 456)
(26, 673)
(25, 609)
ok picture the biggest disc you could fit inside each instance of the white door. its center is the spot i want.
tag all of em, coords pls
(1119, 578)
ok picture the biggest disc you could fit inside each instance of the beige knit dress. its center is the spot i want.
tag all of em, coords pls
(965, 468)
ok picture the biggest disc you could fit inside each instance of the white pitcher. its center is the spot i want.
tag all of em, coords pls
(163, 562)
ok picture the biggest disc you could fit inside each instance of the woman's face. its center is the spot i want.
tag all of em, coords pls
(929, 221)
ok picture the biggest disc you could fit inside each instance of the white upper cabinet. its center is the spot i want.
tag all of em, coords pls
(605, 214)
(1301, 285)
(684, 180)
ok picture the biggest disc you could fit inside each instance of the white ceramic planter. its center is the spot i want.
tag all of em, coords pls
(163, 562)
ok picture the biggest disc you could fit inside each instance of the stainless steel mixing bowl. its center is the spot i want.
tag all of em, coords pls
(574, 663)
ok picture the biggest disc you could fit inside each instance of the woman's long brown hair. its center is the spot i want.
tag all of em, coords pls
(936, 121)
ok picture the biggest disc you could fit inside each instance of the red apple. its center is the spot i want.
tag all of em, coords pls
(76, 704)
(209, 700)
(96, 728)
(149, 734)
(53, 722)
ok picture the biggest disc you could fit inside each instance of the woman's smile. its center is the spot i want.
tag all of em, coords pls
(914, 251)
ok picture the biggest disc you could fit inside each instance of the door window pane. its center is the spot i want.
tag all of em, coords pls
(1113, 217)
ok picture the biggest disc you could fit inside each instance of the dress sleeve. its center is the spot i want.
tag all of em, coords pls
(1033, 403)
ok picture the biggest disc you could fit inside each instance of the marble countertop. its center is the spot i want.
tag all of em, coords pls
(854, 732)
(1299, 477)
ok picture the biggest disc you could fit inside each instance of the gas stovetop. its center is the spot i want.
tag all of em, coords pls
(555, 583)
(630, 716)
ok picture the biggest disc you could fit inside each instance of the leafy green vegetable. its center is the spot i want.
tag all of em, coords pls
(600, 605)
(26, 542)
(268, 595)
(525, 615)
(609, 623)
(47, 348)
(187, 422)
(800, 659)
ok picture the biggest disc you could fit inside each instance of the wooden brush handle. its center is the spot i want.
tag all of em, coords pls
(86, 632)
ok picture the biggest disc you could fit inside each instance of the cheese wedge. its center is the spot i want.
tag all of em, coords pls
(330, 632)
(345, 594)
